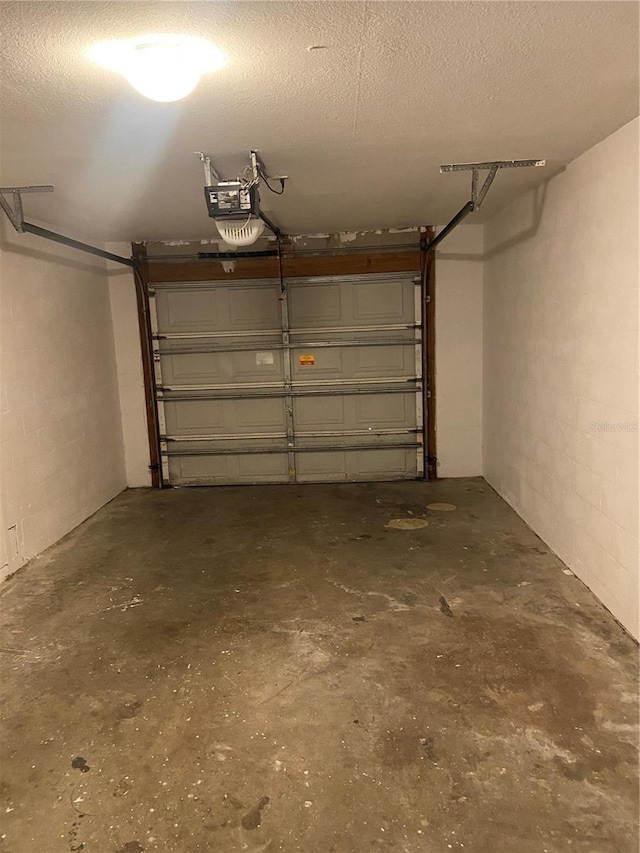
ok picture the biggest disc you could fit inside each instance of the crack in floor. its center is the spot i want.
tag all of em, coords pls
(394, 604)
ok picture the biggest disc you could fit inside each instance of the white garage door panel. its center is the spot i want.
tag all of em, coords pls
(314, 307)
(197, 307)
(254, 307)
(383, 301)
(344, 302)
(188, 311)
(385, 410)
(219, 368)
(387, 464)
(224, 417)
(367, 413)
(307, 381)
(356, 466)
(222, 470)
(354, 362)
(330, 415)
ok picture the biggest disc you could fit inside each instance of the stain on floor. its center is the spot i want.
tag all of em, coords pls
(270, 669)
(253, 818)
(79, 763)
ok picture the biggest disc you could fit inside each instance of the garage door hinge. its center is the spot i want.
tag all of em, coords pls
(155, 466)
(427, 298)
(432, 460)
(428, 394)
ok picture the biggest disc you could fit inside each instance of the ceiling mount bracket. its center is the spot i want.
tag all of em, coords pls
(260, 170)
(478, 194)
(14, 211)
(209, 171)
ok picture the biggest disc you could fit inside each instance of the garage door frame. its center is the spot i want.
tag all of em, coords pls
(393, 261)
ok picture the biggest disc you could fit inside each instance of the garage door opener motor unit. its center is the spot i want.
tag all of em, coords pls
(234, 205)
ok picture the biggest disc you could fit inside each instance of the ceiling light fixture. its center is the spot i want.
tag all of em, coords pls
(160, 67)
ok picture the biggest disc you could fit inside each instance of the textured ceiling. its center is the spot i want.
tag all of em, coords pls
(361, 128)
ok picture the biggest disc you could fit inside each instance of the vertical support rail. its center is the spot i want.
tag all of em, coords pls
(157, 381)
(429, 353)
(287, 355)
(419, 373)
(141, 278)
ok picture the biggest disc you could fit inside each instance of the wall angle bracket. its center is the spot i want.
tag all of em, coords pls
(478, 193)
(477, 197)
(13, 209)
(15, 215)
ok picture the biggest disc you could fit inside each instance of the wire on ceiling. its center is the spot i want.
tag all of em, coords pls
(265, 178)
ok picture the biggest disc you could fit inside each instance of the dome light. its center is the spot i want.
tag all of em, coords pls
(160, 67)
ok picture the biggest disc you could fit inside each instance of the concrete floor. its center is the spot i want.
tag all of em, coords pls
(272, 668)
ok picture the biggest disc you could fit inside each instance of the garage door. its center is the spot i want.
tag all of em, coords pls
(309, 380)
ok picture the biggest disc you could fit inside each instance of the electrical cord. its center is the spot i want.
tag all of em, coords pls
(268, 185)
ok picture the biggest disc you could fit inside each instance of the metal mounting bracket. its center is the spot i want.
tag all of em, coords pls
(15, 215)
(256, 164)
(260, 170)
(209, 171)
(492, 167)
(478, 194)
(14, 212)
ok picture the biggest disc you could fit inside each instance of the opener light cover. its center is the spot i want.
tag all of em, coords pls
(161, 67)
(237, 234)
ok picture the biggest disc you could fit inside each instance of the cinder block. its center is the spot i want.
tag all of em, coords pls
(561, 366)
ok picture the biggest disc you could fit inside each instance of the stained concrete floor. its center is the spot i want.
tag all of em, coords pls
(273, 668)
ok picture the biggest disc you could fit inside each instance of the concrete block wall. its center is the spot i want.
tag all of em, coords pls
(561, 366)
(459, 275)
(61, 449)
(126, 334)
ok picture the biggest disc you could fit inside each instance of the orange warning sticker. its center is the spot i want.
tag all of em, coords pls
(305, 360)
